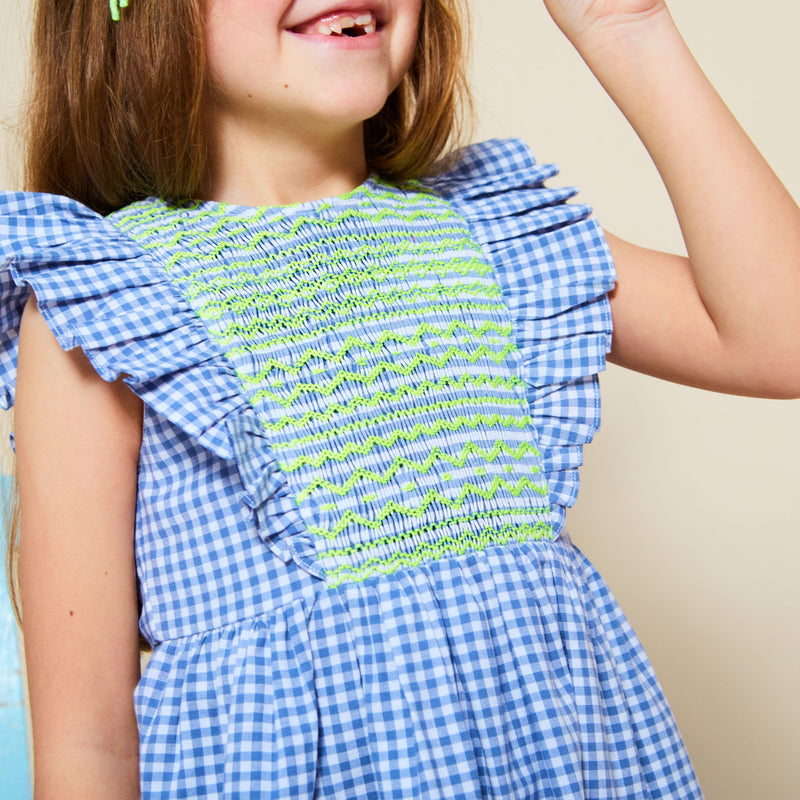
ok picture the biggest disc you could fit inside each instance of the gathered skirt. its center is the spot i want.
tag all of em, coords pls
(505, 673)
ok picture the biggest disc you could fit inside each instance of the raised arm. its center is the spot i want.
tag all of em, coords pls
(727, 317)
(77, 443)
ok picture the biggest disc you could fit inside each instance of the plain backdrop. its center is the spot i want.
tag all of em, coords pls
(689, 505)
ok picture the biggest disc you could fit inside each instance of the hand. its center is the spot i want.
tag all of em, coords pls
(578, 18)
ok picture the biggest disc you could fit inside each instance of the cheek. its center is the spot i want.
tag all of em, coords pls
(406, 37)
(242, 44)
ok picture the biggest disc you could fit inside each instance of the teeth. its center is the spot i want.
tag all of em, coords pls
(338, 25)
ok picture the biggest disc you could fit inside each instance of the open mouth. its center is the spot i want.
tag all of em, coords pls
(341, 23)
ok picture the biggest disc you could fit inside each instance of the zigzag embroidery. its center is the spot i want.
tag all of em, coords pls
(169, 220)
(215, 309)
(236, 329)
(411, 391)
(375, 346)
(461, 421)
(437, 212)
(254, 242)
(155, 210)
(336, 382)
(431, 496)
(351, 276)
(166, 217)
(401, 462)
(248, 265)
(333, 259)
(352, 427)
(403, 413)
(435, 550)
(396, 538)
(481, 351)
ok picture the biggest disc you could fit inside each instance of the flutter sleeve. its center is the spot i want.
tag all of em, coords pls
(555, 269)
(97, 290)
(101, 291)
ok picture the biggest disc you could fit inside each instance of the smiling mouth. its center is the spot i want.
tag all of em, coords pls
(341, 23)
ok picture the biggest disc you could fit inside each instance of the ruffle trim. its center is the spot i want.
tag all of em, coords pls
(553, 264)
(101, 292)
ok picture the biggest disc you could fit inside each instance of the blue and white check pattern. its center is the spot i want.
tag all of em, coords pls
(508, 672)
(554, 265)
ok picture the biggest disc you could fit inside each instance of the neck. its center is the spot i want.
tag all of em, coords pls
(255, 166)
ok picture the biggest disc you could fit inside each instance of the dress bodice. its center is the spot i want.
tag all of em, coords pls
(361, 383)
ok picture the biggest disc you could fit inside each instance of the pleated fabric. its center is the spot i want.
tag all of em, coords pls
(363, 421)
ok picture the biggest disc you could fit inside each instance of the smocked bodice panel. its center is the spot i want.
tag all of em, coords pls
(372, 341)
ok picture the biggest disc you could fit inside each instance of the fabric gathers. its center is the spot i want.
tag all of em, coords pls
(364, 417)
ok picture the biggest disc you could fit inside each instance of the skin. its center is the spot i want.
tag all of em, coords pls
(287, 111)
(77, 444)
(288, 119)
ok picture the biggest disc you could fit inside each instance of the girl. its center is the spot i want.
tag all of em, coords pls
(339, 410)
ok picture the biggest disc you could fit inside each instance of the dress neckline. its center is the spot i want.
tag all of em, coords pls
(219, 208)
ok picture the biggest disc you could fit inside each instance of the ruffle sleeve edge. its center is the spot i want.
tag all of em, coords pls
(555, 269)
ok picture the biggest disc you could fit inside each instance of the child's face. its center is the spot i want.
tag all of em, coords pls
(270, 63)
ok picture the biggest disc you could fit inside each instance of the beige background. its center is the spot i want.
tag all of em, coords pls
(689, 502)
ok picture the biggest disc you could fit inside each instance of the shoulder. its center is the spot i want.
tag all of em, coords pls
(53, 383)
(40, 229)
(63, 264)
(498, 163)
(500, 188)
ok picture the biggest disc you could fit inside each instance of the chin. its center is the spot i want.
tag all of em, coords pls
(349, 110)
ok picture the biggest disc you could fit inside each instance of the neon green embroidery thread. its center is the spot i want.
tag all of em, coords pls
(436, 454)
(157, 210)
(498, 356)
(393, 507)
(255, 244)
(390, 307)
(328, 389)
(215, 309)
(337, 409)
(279, 321)
(376, 345)
(342, 552)
(337, 263)
(436, 550)
(402, 413)
(371, 442)
(336, 272)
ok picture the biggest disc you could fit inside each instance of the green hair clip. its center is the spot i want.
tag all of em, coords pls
(115, 6)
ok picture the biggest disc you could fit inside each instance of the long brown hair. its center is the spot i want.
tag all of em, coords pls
(115, 111)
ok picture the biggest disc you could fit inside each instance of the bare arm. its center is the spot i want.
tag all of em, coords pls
(728, 316)
(77, 442)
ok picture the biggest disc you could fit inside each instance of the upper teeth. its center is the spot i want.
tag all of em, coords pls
(339, 24)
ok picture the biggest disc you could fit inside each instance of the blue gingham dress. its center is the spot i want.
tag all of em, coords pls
(363, 422)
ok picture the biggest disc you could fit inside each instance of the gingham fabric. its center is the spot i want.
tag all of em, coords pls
(363, 421)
